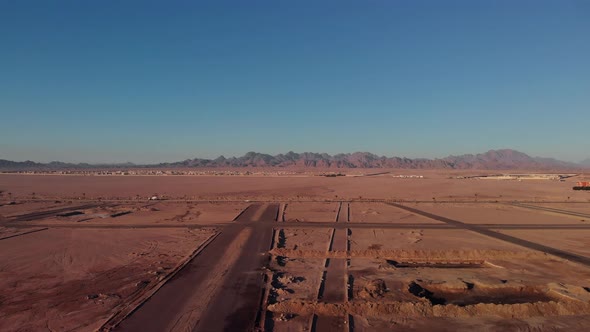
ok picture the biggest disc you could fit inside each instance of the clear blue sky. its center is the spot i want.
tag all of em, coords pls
(149, 81)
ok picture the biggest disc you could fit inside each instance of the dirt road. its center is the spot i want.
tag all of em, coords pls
(236, 304)
(210, 294)
(335, 282)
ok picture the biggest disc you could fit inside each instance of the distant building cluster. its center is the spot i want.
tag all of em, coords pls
(154, 172)
(532, 176)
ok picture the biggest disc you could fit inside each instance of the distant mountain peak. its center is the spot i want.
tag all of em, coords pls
(492, 159)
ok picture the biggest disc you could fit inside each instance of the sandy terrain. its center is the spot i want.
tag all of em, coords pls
(568, 240)
(494, 214)
(269, 253)
(436, 185)
(420, 292)
(322, 212)
(72, 279)
(423, 239)
(141, 214)
(469, 324)
(10, 232)
(296, 278)
(383, 213)
(581, 208)
(580, 211)
(305, 239)
(17, 208)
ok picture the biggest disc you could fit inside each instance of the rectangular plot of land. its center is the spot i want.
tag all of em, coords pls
(280, 322)
(303, 238)
(191, 212)
(491, 214)
(384, 213)
(311, 211)
(476, 323)
(379, 280)
(331, 323)
(296, 278)
(424, 239)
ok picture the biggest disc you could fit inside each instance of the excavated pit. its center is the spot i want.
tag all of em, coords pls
(70, 213)
(118, 214)
(474, 295)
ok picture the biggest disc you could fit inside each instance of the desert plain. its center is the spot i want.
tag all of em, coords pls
(358, 252)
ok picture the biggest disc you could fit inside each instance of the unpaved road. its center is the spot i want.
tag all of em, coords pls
(335, 285)
(235, 304)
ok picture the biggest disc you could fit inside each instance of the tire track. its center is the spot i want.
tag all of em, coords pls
(338, 212)
(23, 233)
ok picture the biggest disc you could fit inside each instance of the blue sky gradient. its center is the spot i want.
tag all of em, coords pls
(151, 81)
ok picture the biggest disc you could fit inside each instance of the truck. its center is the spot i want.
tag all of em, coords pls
(582, 185)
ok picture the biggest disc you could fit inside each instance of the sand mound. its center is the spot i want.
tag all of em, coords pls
(425, 309)
(373, 289)
(423, 255)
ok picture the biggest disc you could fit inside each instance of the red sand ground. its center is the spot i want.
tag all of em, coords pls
(73, 279)
(84, 268)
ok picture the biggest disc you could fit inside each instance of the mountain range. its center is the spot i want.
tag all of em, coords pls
(493, 159)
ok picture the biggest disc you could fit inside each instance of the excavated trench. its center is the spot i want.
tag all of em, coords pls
(474, 295)
(438, 265)
(70, 213)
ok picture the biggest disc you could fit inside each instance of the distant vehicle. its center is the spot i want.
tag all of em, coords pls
(583, 185)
